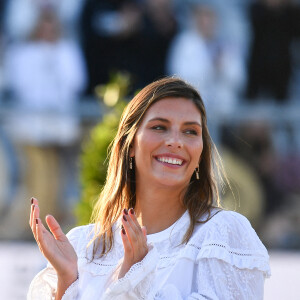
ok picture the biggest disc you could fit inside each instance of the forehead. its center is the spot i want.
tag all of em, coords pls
(173, 108)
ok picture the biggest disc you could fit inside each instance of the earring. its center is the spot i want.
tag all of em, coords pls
(130, 163)
(197, 173)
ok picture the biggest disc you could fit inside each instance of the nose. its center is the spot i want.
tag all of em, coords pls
(174, 140)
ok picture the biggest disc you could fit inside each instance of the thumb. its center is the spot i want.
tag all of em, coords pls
(55, 228)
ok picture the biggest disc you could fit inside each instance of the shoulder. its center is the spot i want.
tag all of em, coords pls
(229, 237)
(229, 220)
(230, 228)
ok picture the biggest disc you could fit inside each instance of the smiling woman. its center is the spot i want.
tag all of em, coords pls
(158, 231)
(167, 146)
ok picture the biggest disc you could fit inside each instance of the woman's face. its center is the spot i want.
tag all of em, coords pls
(168, 144)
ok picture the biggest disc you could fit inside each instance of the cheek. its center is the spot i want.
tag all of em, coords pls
(196, 150)
(146, 142)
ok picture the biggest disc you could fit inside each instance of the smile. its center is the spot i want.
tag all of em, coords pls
(170, 160)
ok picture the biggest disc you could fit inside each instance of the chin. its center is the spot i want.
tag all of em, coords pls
(172, 182)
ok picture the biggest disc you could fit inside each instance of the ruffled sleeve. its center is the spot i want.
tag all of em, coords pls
(232, 263)
(44, 284)
(229, 237)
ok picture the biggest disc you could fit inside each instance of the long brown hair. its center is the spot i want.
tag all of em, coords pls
(119, 189)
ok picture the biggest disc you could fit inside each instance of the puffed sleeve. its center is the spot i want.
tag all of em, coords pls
(232, 263)
(220, 280)
(44, 284)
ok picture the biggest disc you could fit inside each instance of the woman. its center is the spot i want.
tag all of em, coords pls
(161, 169)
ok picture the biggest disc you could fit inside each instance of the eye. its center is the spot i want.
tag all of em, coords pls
(191, 131)
(158, 127)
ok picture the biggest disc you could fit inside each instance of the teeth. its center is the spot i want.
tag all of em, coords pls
(169, 160)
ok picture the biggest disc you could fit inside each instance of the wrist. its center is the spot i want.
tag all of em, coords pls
(63, 283)
(123, 270)
(67, 278)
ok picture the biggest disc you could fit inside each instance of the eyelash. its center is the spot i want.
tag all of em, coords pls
(193, 132)
(160, 127)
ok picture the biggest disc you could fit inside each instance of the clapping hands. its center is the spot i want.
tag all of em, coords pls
(134, 239)
(54, 245)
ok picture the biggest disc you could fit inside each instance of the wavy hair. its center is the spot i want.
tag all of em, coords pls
(119, 189)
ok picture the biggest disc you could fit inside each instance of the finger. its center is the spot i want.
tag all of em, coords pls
(134, 234)
(126, 244)
(40, 230)
(136, 226)
(134, 219)
(55, 228)
(36, 215)
(129, 230)
(34, 201)
(31, 219)
(31, 215)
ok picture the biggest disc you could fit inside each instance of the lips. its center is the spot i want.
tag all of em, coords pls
(170, 159)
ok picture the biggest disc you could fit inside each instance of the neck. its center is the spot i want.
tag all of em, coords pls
(158, 208)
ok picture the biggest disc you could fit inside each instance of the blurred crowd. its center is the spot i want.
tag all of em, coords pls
(238, 53)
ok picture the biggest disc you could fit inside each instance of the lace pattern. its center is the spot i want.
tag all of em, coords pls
(140, 274)
(72, 291)
(44, 283)
(223, 250)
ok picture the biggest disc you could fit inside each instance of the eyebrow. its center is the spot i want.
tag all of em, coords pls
(167, 121)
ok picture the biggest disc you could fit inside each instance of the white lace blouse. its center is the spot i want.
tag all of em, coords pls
(224, 259)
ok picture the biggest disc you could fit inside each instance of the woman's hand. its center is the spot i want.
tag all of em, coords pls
(55, 247)
(134, 241)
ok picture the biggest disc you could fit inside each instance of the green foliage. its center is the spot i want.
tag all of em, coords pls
(93, 160)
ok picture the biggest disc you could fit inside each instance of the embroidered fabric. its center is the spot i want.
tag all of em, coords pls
(72, 291)
(44, 284)
(225, 251)
(139, 277)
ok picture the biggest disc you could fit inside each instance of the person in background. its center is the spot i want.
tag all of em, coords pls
(275, 25)
(159, 28)
(126, 36)
(45, 74)
(110, 38)
(201, 56)
(159, 231)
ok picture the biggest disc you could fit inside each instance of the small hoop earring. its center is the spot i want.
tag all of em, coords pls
(130, 163)
(197, 173)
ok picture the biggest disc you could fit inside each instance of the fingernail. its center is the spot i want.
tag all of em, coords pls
(124, 218)
(125, 211)
(123, 231)
(131, 211)
(36, 221)
(32, 200)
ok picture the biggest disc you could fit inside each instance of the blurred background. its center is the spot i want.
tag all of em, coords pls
(67, 68)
